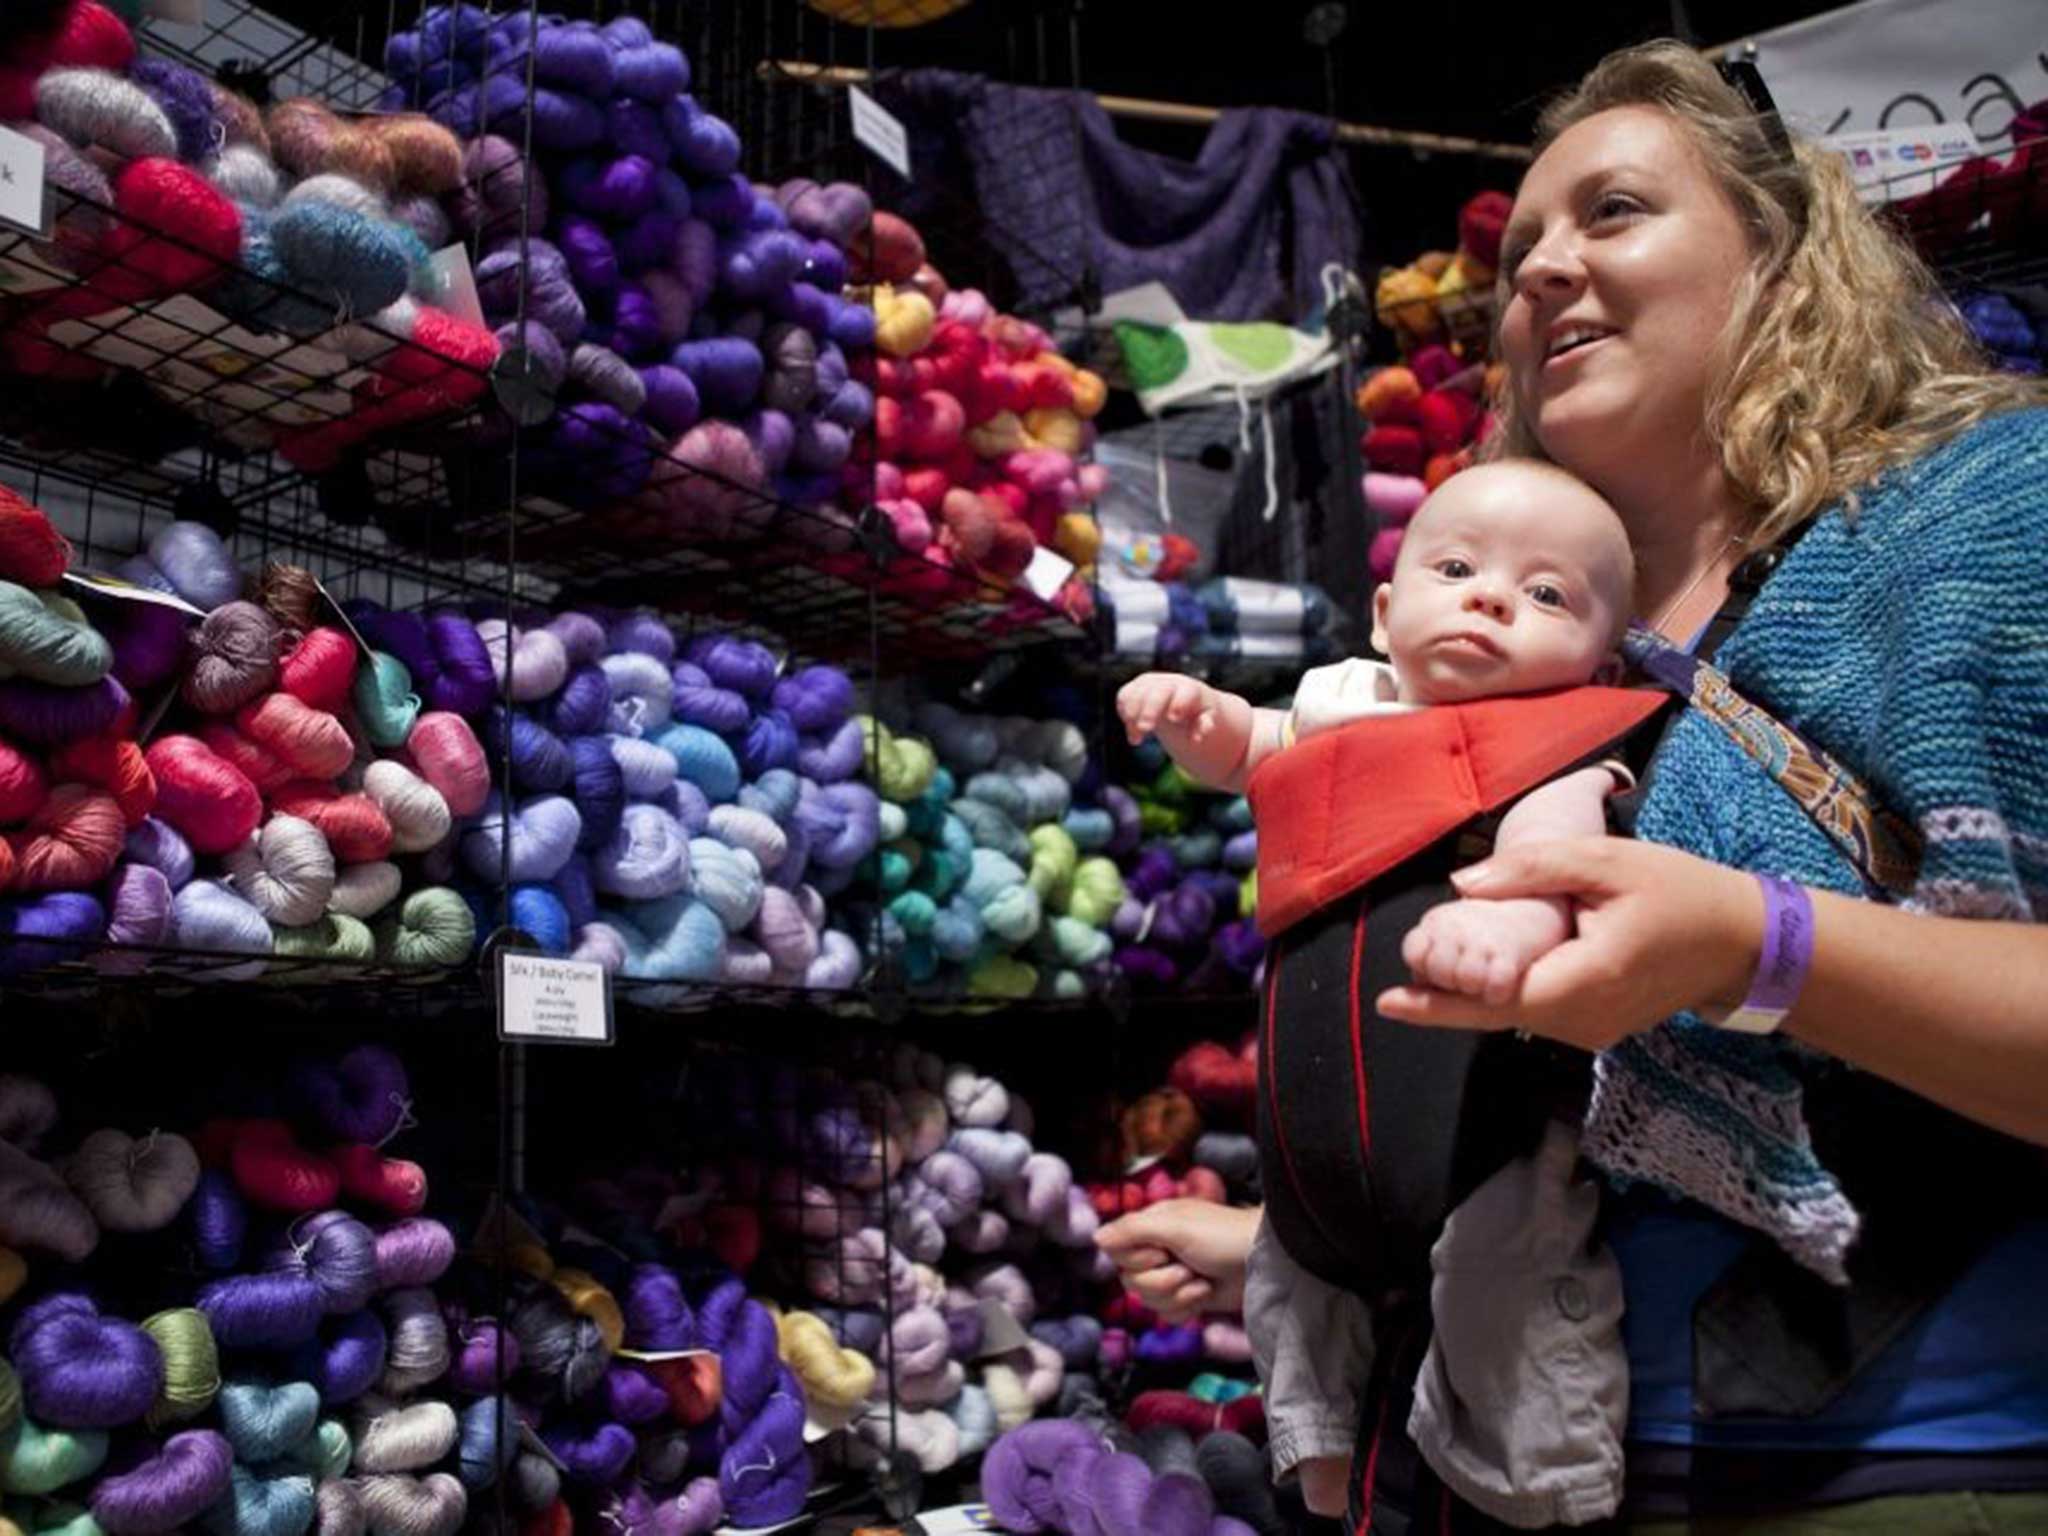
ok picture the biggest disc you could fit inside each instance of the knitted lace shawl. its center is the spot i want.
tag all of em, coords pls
(1910, 639)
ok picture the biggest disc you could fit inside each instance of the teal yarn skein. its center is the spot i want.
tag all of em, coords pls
(267, 1421)
(262, 1503)
(35, 1460)
(385, 702)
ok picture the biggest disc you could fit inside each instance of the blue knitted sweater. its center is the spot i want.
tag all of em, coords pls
(1910, 639)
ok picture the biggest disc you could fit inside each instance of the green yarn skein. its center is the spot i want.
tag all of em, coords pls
(1095, 893)
(191, 1365)
(433, 929)
(48, 639)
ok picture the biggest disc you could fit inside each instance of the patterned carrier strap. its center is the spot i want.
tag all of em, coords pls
(1885, 850)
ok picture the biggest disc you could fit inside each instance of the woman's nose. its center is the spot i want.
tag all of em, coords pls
(1550, 268)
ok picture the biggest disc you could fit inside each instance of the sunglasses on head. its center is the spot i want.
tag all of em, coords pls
(1748, 82)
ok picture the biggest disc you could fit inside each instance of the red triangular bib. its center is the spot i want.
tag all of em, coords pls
(1340, 809)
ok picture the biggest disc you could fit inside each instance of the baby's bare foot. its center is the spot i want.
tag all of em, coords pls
(1482, 948)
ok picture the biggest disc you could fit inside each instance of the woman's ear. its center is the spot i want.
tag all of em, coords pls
(1611, 672)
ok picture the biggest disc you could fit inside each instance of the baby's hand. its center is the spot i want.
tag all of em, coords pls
(1482, 948)
(1183, 704)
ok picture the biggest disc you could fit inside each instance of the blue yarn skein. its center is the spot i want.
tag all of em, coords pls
(675, 939)
(727, 880)
(363, 263)
(703, 759)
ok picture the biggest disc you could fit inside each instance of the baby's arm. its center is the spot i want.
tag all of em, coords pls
(1482, 948)
(1217, 737)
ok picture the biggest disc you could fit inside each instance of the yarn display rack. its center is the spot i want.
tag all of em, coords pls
(1983, 222)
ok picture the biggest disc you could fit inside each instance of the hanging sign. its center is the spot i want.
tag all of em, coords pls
(880, 130)
(1893, 64)
(556, 1002)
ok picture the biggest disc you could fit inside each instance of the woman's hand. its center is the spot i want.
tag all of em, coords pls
(1183, 1257)
(1658, 931)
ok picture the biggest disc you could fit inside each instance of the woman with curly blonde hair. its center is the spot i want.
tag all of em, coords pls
(1814, 983)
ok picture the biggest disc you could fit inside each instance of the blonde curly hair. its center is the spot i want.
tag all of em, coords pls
(1841, 358)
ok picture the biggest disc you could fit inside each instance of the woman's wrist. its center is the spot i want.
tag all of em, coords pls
(1774, 943)
(1739, 947)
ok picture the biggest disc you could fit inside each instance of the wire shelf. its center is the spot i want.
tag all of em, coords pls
(1983, 223)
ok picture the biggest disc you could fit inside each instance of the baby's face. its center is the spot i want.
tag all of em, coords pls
(1512, 579)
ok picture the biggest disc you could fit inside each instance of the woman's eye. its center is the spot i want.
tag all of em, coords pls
(1610, 205)
(1454, 568)
(1544, 595)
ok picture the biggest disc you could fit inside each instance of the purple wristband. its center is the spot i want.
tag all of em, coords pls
(1787, 956)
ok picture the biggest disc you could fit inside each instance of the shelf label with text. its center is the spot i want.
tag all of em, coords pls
(880, 130)
(21, 181)
(557, 1002)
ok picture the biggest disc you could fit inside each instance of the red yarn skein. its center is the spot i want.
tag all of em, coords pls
(1481, 222)
(71, 843)
(555, 1520)
(32, 552)
(1449, 418)
(320, 669)
(695, 1385)
(1243, 1416)
(115, 766)
(272, 1170)
(1224, 1082)
(311, 742)
(355, 826)
(389, 1183)
(203, 795)
(87, 36)
(176, 233)
(258, 762)
(23, 785)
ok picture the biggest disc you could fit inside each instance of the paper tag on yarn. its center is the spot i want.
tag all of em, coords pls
(99, 584)
(880, 130)
(334, 606)
(656, 1356)
(457, 283)
(1047, 573)
(21, 181)
(553, 1002)
(1001, 1333)
(960, 1520)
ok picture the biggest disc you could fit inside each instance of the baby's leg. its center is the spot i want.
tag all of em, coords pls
(1483, 948)
(1326, 1485)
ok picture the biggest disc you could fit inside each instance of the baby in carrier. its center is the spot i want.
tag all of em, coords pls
(1514, 579)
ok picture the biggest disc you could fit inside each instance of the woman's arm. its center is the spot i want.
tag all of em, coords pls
(1953, 1009)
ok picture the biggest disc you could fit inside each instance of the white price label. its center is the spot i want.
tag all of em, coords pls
(458, 284)
(880, 129)
(1047, 573)
(565, 1002)
(21, 181)
(960, 1520)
